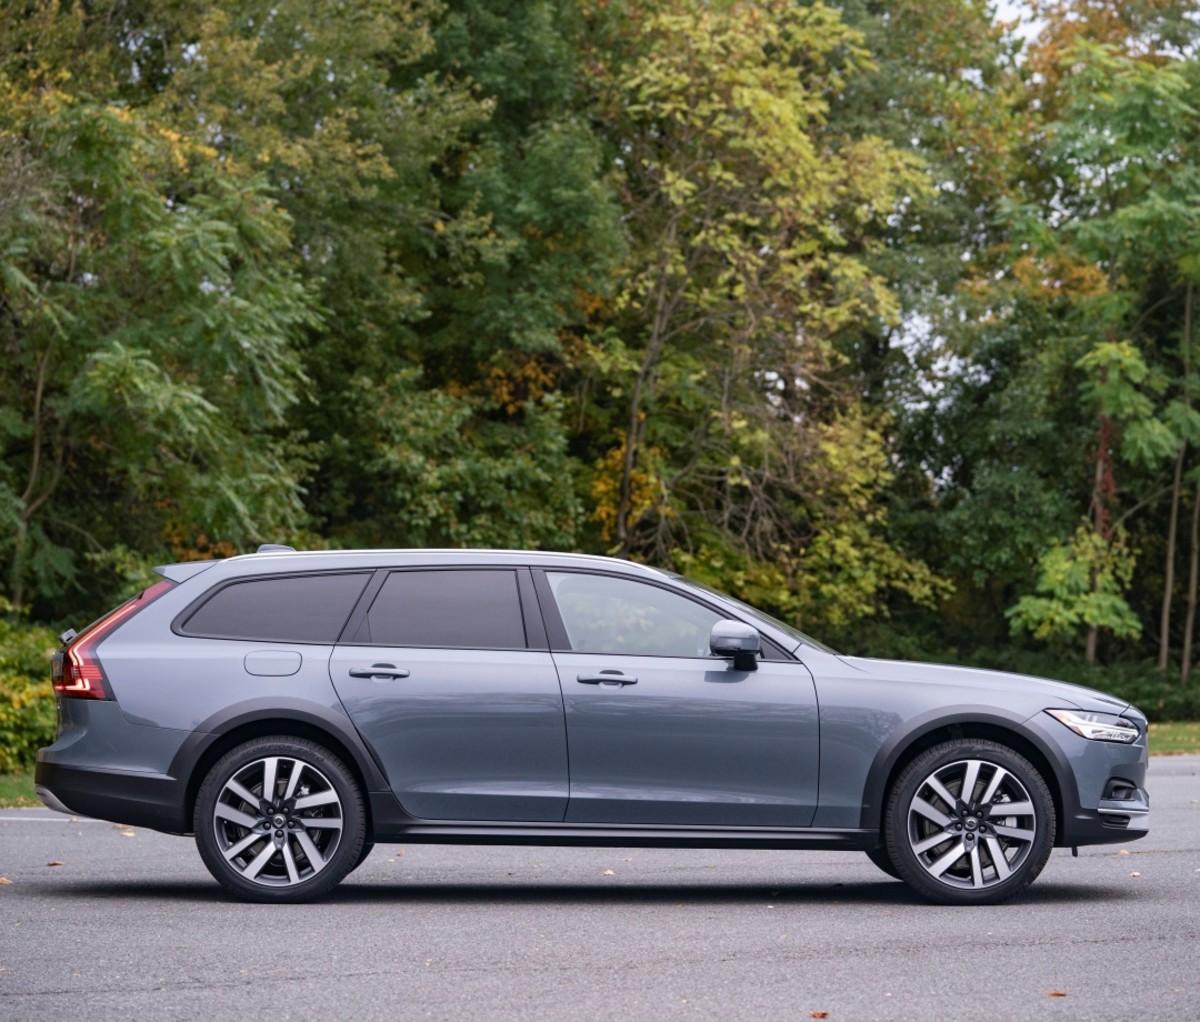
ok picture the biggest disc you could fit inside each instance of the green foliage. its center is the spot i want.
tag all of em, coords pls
(27, 713)
(750, 217)
(129, 423)
(855, 311)
(1080, 585)
(453, 473)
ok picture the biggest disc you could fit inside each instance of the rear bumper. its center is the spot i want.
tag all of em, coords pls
(153, 801)
(102, 765)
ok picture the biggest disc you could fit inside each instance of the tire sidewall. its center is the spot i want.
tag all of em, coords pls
(909, 782)
(347, 854)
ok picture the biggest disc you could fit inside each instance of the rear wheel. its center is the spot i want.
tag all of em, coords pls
(279, 820)
(969, 822)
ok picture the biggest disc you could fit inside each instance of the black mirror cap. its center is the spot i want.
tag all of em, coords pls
(737, 640)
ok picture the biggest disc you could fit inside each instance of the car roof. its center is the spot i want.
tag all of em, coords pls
(277, 560)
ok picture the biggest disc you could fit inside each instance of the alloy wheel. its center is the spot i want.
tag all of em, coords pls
(278, 821)
(971, 824)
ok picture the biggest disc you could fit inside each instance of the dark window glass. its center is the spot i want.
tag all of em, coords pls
(305, 608)
(603, 614)
(465, 609)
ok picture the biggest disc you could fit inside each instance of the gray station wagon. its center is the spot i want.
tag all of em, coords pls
(292, 709)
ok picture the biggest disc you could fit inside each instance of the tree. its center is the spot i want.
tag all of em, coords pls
(750, 214)
(150, 315)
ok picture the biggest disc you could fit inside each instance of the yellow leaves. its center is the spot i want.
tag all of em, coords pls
(190, 544)
(512, 388)
(1059, 276)
(646, 490)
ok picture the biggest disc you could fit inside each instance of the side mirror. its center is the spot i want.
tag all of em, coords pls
(741, 642)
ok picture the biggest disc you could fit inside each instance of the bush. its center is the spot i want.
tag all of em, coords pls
(27, 710)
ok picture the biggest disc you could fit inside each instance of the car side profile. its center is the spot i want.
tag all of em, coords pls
(291, 709)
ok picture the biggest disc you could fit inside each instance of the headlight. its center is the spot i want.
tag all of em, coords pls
(1099, 727)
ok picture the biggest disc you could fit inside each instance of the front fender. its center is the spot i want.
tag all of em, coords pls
(943, 724)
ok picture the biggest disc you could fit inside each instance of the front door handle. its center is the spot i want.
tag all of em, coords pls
(380, 672)
(606, 678)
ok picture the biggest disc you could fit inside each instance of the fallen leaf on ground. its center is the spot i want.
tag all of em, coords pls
(818, 1014)
(609, 873)
(1056, 993)
(1135, 873)
(56, 862)
(5, 881)
(1123, 851)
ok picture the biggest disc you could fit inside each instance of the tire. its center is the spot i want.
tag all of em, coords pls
(368, 846)
(980, 848)
(880, 857)
(296, 843)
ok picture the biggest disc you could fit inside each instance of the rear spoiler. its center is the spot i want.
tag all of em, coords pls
(184, 570)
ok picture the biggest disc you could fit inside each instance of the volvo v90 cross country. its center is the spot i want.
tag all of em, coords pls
(291, 709)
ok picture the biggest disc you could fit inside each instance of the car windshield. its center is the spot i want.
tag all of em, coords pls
(754, 612)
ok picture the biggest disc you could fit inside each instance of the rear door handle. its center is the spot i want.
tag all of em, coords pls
(606, 678)
(380, 672)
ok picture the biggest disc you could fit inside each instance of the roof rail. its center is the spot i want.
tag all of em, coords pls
(275, 548)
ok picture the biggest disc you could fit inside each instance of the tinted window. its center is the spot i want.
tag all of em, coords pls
(471, 609)
(295, 608)
(603, 614)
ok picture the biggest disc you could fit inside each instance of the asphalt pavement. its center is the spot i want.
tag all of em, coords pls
(103, 922)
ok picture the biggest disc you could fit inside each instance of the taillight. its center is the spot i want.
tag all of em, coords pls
(76, 672)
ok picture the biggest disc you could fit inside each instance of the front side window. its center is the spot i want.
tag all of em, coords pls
(604, 614)
(284, 608)
(465, 609)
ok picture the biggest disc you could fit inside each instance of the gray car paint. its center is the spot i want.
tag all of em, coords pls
(173, 691)
(692, 742)
(468, 735)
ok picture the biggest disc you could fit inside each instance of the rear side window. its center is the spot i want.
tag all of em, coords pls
(287, 608)
(464, 609)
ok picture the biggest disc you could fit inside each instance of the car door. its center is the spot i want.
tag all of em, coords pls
(439, 678)
(659, 730)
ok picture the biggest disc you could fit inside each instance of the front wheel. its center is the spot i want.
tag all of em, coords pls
(969, 822)
(880, 857)
(279, 820)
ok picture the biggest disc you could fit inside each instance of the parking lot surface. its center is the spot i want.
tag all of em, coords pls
(103, 921)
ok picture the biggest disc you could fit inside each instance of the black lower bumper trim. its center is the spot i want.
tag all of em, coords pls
(153, 801)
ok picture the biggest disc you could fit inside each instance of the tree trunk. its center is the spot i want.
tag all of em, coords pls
(1164, 649)
(1164, 623)
(1193, 571)
(643, 386)
(1104, 489)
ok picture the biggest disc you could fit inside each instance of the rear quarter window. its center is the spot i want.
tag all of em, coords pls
(286, 608)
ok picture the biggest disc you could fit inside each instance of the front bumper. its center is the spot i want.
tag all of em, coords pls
(1111, 822)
